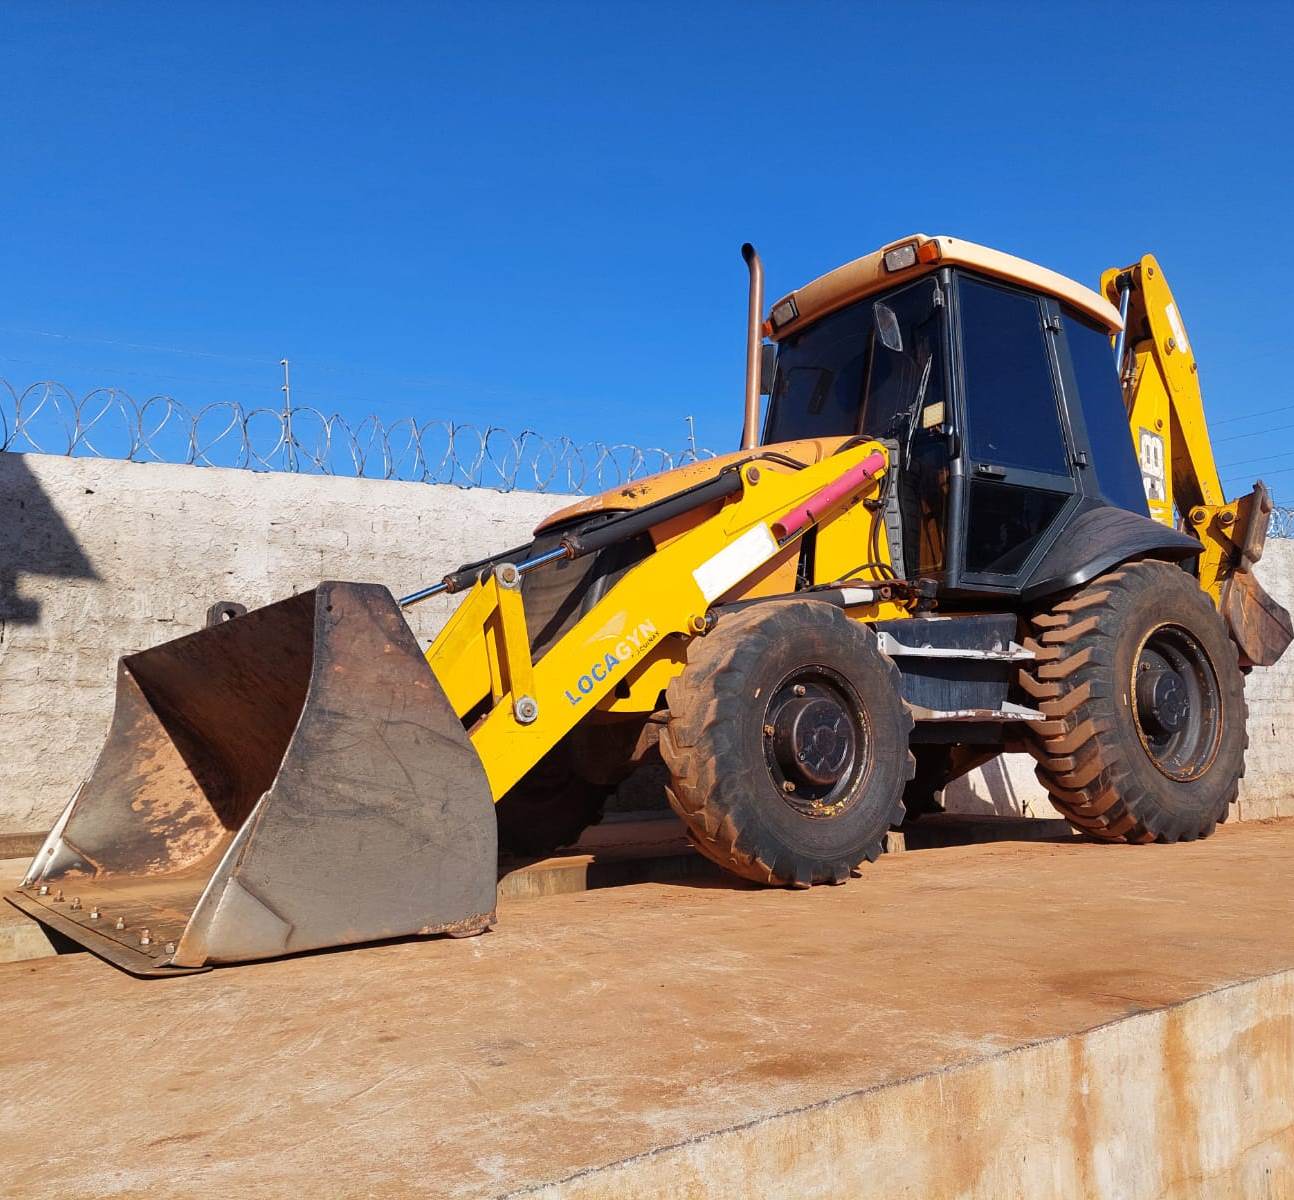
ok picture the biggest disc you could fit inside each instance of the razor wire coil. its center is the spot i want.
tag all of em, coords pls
(108, 422)
(49, 418)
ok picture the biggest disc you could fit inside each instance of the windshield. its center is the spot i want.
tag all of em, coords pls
(843, 375)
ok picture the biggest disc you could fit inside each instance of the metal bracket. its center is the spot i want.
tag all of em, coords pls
(517, 669)
(224, 610)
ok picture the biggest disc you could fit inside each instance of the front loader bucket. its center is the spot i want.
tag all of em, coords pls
(290, 779)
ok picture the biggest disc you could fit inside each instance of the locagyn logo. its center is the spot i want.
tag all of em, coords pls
(629, 647)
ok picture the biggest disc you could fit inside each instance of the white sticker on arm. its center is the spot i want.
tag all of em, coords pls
(1179, 332)
(734, 562)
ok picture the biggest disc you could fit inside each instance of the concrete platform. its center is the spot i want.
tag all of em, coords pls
(633, 848)
(1012, 1019)
(625, 848)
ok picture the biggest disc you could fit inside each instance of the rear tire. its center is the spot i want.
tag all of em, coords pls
(1145, 738)
(787, 744)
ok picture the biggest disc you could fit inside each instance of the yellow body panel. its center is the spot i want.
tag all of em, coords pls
(636, 634)
(642, 685)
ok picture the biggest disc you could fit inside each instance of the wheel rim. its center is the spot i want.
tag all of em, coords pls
(817, 742)
(1176, 703)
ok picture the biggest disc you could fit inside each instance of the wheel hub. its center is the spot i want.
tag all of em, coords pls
(814, 740)
(1163, 703)
(1176, 702)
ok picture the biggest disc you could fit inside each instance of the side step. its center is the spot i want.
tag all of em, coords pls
(958, 671)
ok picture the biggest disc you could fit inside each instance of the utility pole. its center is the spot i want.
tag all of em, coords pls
(289, 446)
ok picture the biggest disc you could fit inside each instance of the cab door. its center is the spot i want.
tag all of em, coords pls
(1017, 481)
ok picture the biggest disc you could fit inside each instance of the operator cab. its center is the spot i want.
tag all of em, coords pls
(995, 384)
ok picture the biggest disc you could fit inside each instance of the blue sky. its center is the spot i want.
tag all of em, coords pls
(529, 215)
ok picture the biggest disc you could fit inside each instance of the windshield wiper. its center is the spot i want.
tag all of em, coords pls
(905, 421)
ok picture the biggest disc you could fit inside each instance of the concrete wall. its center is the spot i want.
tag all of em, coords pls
(100, 557)
(1185, 1103)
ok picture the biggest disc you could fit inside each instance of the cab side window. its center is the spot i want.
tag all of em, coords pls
(1011, 412)
(1019, 463)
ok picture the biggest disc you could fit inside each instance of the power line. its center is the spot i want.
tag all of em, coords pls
(136, 373)
(1244, 462)
(98, 341)
(371, 377)
(1278, 471)
(1266, 412)
(368, 372)
(1235, 437)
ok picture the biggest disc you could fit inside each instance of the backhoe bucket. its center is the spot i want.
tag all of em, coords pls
(290, 779)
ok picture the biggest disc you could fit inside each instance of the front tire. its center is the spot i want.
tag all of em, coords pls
(1145, 738)
(787, 744)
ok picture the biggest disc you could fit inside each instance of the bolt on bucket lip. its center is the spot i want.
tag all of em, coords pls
(257, 777)
(134, 961)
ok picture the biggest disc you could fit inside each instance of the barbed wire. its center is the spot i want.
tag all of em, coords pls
(49, 418)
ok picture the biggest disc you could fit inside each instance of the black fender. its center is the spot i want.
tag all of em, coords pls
(1098, 539)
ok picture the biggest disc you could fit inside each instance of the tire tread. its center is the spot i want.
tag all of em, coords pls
(1081, 760)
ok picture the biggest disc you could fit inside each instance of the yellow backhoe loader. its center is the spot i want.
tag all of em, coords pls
(982, 515)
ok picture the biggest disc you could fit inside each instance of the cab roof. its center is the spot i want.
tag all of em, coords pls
(869, 274)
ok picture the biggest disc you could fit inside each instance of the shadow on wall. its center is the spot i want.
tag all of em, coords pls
(34, 540)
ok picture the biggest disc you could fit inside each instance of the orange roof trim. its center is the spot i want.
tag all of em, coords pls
(867, 275)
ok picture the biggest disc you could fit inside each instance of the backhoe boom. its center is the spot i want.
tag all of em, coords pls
(1161, 389)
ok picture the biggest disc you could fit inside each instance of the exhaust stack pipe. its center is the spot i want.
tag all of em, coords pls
(754, 339)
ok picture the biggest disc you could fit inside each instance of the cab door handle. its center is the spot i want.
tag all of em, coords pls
(990, 470)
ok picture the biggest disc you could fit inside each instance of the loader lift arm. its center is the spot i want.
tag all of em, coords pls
(1161, 390)
(630, 640)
